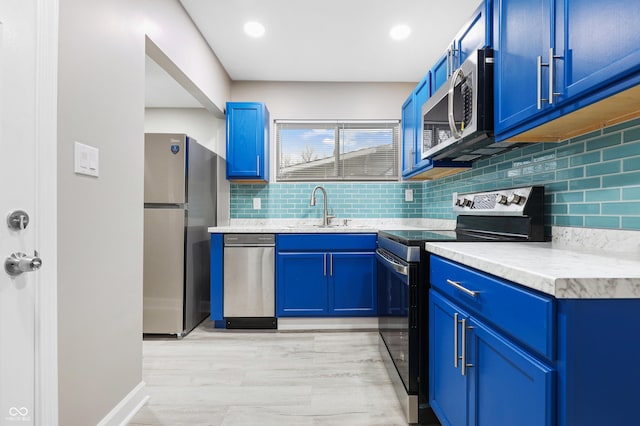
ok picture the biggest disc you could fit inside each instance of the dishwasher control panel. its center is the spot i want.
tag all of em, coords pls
(249, 240)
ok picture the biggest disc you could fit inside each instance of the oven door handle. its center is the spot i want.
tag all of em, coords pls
(397, 266)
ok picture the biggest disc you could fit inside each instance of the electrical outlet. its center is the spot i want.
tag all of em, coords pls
(408, 194)
(257, 204)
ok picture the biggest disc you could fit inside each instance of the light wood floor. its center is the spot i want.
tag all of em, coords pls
(221, 377)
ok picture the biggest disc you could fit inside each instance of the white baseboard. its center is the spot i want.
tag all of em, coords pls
(122, 413)
(343, 323)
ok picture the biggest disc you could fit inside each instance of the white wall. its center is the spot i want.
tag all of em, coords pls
(100, 220)
(293, 100)
(184, 53)
(206, 129)
(323, 100)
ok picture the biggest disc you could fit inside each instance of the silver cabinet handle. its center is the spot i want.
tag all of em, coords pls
(324, 267)
(552, 94)
(463, 357)
(455, 340)
(258, 164)
(454, 51)
(331, 265)
(452, 86)
(411, 157)
(539, 97)
(463, 289)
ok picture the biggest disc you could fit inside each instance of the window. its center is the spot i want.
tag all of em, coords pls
(337, 150)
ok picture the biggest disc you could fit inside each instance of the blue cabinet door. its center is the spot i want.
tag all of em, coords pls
(440, 72)
(216, 277)
(475, 35)
(408, 135)
(602, 43)
(247, 141)
(352, 284)
(422, 95)
(523, 33)
(448, 392)
(301, 284)
(508, 387)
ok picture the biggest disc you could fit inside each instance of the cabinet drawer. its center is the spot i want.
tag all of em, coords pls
(526, 316)
(326, 242)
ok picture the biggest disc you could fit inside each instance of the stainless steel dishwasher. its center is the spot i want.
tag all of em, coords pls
(249, 281)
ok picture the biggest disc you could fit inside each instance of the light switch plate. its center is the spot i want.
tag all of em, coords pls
(408, 194)
(87, 159)
(257, 205)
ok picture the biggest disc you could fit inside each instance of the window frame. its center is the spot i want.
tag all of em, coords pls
(393, 124)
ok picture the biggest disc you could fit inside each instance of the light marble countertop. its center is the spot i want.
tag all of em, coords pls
(311, 226)
(566, 273)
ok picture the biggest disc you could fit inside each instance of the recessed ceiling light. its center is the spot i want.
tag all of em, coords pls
(400, 32)
(254, 29)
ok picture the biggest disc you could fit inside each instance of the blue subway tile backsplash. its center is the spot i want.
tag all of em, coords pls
(346, 200)
(590, 181)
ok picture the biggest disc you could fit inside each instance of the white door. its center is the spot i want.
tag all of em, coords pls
(27, 176)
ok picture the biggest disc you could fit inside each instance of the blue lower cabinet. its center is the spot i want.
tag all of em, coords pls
(509, 386)
(448, 388)
(301, 284)
(478, 377)
(351, 283)
(492, 359)
(583, 374)
(216, 277)
(326, 275)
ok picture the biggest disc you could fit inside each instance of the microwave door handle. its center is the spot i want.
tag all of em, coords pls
(452, 123)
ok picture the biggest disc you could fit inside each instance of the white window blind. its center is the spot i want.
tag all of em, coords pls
(337, 150)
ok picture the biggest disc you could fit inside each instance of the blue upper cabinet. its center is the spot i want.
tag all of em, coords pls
(523, 38)
(247, 141)
(564, 67)
(474, 35)
(602, 42)
(440, 71)
(422, 94)
(408, 134)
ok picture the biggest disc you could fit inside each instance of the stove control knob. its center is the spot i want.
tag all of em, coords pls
(502, 199)
(515, 199)
(467, 202)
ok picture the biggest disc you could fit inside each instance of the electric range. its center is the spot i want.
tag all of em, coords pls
(513, 214)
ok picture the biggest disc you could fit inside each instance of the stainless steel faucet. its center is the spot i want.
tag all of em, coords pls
(325, 216)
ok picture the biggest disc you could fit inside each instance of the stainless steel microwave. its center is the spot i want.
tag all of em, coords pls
(457, 121)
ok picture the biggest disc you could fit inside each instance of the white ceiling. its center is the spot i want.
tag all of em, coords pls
(317, 40)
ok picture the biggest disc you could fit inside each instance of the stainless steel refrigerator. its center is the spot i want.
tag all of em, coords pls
(179, 206)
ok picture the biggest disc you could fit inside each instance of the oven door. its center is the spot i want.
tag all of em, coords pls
(397, 315)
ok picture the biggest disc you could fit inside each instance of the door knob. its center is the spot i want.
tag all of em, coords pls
(18, 263)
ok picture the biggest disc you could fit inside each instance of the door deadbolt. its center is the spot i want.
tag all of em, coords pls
(18, 263)
(18, 220)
